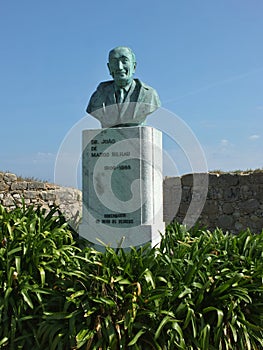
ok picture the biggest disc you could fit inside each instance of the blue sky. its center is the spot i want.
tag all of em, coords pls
(205, 59)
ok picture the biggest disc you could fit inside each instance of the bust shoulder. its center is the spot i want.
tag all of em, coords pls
(104, 84)
(143, 85)
(147, 94)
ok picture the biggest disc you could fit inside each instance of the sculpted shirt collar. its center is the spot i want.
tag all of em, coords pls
(125, 88)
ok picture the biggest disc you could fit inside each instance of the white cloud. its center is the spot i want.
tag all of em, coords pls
(243, 154)
(225, 146)
(224, 143)
(43, 157)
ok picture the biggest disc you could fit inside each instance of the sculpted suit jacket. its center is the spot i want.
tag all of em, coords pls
(140, 101)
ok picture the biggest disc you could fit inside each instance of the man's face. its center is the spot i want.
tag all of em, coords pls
(121, 66)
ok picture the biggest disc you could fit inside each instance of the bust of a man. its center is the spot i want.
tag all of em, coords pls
(123, 101)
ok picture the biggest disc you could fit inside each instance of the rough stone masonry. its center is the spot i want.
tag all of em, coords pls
(12, 191)
(234, 201)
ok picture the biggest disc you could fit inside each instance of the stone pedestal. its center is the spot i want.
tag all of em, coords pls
(122, 186)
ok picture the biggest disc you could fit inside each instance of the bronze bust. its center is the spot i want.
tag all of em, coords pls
(123, 101)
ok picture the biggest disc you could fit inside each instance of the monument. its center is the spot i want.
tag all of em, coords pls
(122, 162)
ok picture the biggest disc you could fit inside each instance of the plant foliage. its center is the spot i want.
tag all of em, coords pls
(197, 290)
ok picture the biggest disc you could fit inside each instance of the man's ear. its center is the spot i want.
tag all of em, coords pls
(108, 65)
(134, 65)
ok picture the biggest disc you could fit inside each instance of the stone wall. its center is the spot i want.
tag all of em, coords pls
(13, 190)
(233, 201)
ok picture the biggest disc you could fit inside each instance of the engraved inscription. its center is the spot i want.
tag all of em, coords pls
(118, 163)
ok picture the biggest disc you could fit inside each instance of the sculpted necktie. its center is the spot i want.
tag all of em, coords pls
(120, 96)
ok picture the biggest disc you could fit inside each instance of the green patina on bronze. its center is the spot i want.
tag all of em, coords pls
(123, 101)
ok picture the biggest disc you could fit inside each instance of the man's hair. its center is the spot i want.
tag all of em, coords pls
(123, 47)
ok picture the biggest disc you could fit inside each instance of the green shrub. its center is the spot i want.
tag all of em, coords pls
(197, 290)
(36, 249)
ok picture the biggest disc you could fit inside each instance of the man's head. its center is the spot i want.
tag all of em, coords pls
(122, 64)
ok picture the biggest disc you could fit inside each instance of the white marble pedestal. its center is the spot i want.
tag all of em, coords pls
(122, 186)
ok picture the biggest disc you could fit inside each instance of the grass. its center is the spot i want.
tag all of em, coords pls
(21, 178)
(237, 171)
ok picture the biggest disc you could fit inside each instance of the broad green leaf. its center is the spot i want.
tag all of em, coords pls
(204, 337)
(137, 336)
(27, 299)
(15, 250)
(149, 277)
(3, 341)
(165, 320)
(42, 275)
(184, 293)
(122, 280)
(18, 263)
(220, 314)
(56, 315)
(190, 315)
(84, 336)
(77, 294)
(103, 300)
(7, 293)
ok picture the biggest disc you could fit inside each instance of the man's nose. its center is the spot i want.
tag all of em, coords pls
(119, 64)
